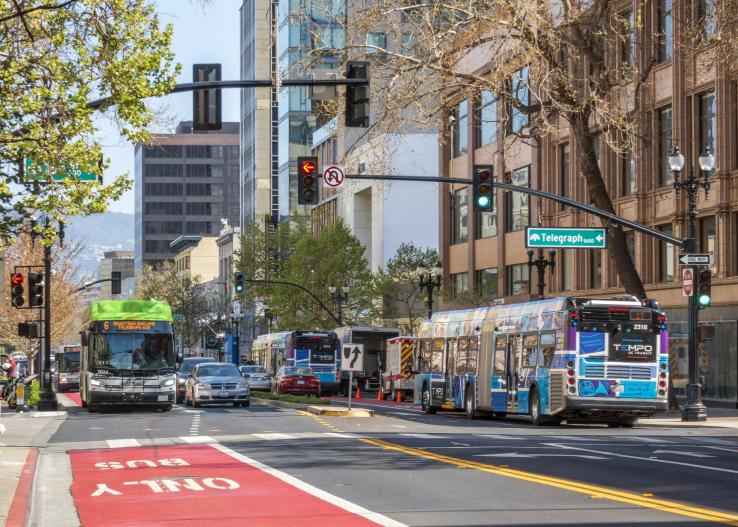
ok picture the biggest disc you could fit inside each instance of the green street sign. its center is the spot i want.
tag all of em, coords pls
(40, 173)
(565, 238)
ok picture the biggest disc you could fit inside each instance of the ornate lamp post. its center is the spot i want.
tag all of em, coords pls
(339, 299)
(694, 409)
(429, 279)
(541, 263)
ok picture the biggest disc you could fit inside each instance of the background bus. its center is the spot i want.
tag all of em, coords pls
(555, 359)
(66, 370)
(320, 350)
(127, 354)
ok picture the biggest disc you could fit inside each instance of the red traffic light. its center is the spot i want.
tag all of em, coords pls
(17, 279)
(307, 167)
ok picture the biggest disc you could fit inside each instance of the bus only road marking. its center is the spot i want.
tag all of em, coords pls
(672, 507)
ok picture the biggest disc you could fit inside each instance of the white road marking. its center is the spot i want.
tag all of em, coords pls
(403, 414)
(723, 448)
(196, 440)
(497, 436)
(645, 439)
(460, 444)
(516, 454)
(576, 438)
(314, 491)
(343, 435)
(12, 463)
(122, 443)
(716, 441)
(274, 436)
(681, 453)
(640, 458)
(422, 436)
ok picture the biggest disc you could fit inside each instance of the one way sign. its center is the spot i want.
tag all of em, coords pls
(694, 259)
(353, 357)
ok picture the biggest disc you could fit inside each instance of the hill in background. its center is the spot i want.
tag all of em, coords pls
(109, 231)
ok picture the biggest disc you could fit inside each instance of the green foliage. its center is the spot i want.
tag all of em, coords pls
(402, 302)
(52, 62)
(289, 398)
(34, 394)
(185, 294)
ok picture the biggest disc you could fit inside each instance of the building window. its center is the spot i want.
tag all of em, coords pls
(627, 174)
(707, 123)
(518, 204)
(520, 91)
(198, 227)
(163, 189)
(461, 129)
(378, 40)
(708, 238)
(459, 213)
(487, 283)
(667, 263)
(595, 269)
(665, 30)
(163, 151)
(627, 37)
(487, 119)
(564, 176)
(199, 209)
(567, 271)
(666, 176)
(707, 17)
(518, 279)
(154, 208)
(459, 284)
(152, 170)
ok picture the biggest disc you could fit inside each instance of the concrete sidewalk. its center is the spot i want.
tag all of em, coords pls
(22, 435)
(716, 417)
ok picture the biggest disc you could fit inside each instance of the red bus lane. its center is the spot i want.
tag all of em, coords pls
(184, 485)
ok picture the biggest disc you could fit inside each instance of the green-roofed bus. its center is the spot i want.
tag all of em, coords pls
(128, 355)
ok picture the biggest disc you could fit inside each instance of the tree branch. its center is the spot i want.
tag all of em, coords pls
(19, 13)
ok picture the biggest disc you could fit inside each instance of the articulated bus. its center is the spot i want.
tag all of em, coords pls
(319, 350)
(128, 355)
(557, 359)
(66, 376)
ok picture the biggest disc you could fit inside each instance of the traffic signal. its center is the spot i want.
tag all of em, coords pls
(29, 330)
(704, 289)
(17, 289)
(357, 97)
(115, 282)
(238, 284)
(35, 289)
(483, 197)
(207, 106)
(307, 180)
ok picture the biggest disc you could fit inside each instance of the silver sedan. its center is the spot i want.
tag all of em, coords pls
(216, 383)
(258, 377)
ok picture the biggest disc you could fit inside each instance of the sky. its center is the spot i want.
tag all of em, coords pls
(205, 31)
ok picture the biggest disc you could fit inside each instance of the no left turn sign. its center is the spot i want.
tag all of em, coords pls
(334, 176)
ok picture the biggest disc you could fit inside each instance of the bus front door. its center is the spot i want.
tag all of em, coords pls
(511, 372)
(450, 372)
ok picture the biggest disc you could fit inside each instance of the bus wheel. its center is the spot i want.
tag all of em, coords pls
(471, 413)
(426, 401)
(534, 408)
(625, 422)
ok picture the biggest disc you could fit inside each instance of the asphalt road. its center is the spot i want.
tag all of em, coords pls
(399, 468)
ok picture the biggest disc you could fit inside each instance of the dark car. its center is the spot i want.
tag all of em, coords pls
(185, 370)
(296, 380)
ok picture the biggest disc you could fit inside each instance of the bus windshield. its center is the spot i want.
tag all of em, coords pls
(133, 351)
(67, 362)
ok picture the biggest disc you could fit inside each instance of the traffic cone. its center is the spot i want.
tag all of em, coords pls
(380, 395)
(399, 396)
(358, 394)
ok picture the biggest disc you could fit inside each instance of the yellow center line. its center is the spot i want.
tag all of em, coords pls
(594, 491)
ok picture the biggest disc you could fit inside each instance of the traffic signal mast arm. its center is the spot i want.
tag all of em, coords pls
(321, 304)
(679, 242)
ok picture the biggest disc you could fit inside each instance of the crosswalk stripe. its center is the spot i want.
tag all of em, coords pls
(122, 443)
(274, 436)
(196, 440)
(343, 435)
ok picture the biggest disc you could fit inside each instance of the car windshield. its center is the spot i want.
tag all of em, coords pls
(133, 351)
(298, 371)
(187, 365)
(252, 369)
(218, 370)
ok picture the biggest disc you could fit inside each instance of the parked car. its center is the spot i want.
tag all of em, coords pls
(185, 369)
(216, 383)
(258, 377)
(296, 380)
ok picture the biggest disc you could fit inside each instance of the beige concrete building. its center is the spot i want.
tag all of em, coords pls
(691, 100)
(196, 256)
(116, 261)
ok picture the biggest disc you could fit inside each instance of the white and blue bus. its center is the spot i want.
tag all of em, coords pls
(319, 350)
(557, 359)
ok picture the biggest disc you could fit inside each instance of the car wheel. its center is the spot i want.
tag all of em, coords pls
(236, 404)
(246, 404)
(166, 407)
(426, 401)
(196, 403)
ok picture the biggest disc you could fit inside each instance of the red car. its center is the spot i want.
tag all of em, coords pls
(296, 380)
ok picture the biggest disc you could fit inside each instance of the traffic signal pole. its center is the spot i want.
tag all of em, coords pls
(48, 400)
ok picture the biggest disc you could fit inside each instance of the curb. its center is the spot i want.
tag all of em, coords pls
(21, 505)
(339, 411)
(279, 404)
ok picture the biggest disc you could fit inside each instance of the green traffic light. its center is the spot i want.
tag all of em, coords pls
(704, 300)
(483, 201)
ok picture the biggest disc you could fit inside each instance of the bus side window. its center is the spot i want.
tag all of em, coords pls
(472, 356)
(500, 349)
(462, 356)
(436, 361)
(424, 356)
(530, 350)
(547, 349)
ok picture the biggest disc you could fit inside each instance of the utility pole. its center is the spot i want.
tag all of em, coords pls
(47, 401)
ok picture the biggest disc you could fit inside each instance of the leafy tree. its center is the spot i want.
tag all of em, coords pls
(332, 258)
(185, 294)
(402, 303)
(54, 58)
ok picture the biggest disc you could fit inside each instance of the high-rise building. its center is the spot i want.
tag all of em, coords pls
(258, 194)
(115, 261)
(185, 183)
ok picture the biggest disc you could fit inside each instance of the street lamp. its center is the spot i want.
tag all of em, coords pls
(694, 409)
(429, 280)
(339, 299)
(541, 263)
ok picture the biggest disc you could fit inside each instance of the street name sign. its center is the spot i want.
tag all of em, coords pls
(40, 173)
(353, 357)
(687, 282)
(694, 259)
(334, 176)
(565, 238)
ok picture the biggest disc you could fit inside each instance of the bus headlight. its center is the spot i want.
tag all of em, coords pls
(94, 383)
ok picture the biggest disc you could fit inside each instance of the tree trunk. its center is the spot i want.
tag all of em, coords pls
(589, 169)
